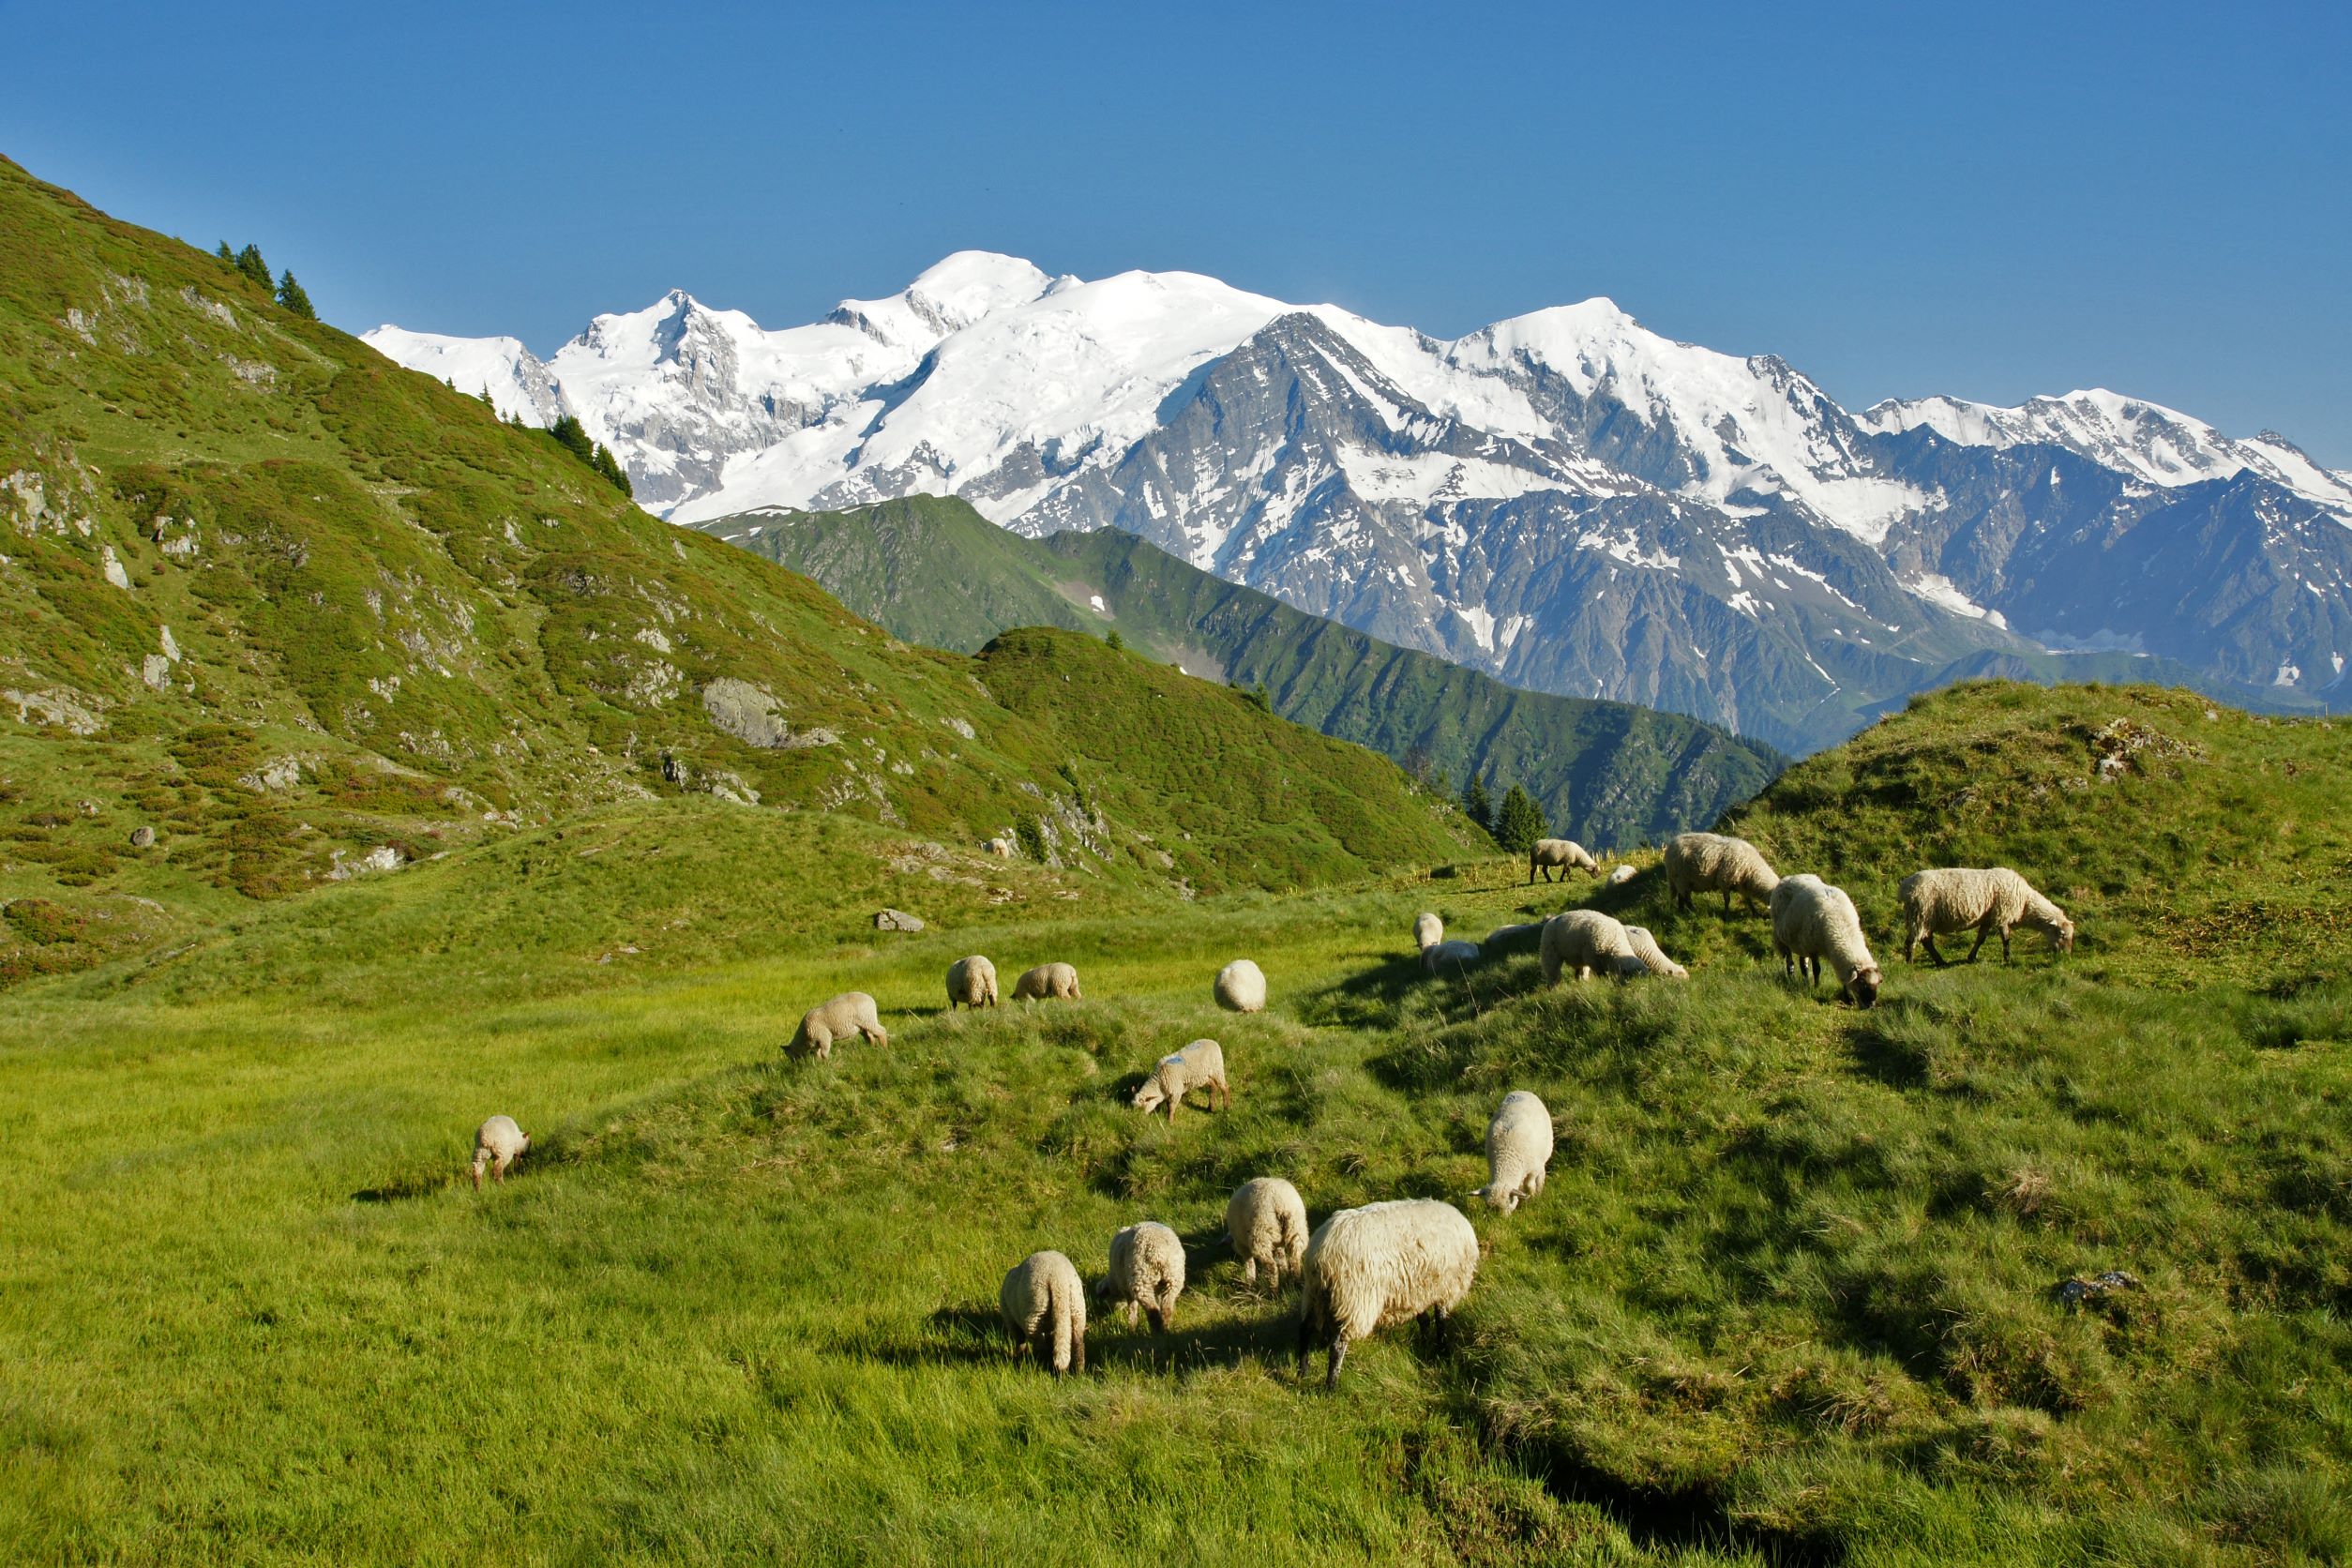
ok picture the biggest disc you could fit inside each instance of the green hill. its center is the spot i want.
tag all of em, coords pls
(303, 615)
(936, 572)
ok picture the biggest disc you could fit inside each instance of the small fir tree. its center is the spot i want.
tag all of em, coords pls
(1520, 822)
(290, 295)
(251, 263)
(615, 474)
(1114, 642)
(1477, 804)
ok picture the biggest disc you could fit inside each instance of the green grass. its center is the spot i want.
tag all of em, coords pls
(936, 572)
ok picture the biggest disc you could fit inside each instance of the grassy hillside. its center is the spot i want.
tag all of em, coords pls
(936, 572)
(304, 615)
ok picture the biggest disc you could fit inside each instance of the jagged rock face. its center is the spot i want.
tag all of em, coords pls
(1563, 499)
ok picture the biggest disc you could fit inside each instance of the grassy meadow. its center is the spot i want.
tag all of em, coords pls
(1790, 1295)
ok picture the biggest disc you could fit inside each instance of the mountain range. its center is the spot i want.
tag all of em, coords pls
(1564, 499)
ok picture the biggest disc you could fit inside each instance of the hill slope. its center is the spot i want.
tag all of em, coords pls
(305, 615)
(935, 571)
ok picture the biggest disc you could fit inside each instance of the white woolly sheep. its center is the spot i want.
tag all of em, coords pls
(1383, 1263)
(1947, 901)
(1585, 941)
(1047, 982)
(1646, 948)
(1711, 863)
(1622, 875)
(1242, 987)
(1544, 854)
(970, 982)
(1439, 958)
(1813, 922)
(1200, 1064)
(1045, 1309)
(1428, 930)
(498, 1145)
(850, 1013)
(1519, 1151)
(1266, 1220)
(1147, 1270)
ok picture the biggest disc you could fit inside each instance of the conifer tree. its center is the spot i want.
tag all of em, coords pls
(1520, 822)
(226, 254)
(251, 263)
(615, 474)
(1477, 804)
(291, 295)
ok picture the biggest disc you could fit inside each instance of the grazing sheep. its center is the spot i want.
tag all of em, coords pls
(1147, 1270)
(1048, 981)
(1266, 1220)
(850, 1013)
(1513, 936)
(1381, 1264)
(1045, 1309)
(1622, 875)
(498, 1145)
(1585, 941)
(1428, 930)
(1199, 1065)
(1711, 863)
(971, 983)
(1945, 902)
(1242, 987)
(1646, 948)
(1544, 854)
(1438, 957)
(1519, 1151)
(1812, 921)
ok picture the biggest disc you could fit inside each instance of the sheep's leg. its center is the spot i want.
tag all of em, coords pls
(1929, 941)
(2004, 944)
(1249, 1270)
(1727, 900)
(1306, 1336)
(1159, 1319)
(478, 1177)
(1442, 1328)
(1982, 932)
(1078, 1350)
(1338, 1359)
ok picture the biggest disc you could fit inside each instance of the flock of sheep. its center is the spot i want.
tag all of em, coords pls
(1368, 1268)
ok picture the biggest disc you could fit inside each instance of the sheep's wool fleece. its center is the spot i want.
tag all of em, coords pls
(1388, 1262)
(1266, 1220)
(1242, 987)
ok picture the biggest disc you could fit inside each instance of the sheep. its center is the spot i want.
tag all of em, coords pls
(1812, 921)
(1511, 935)
(1381, 1264)
(1519, 1151)
(1266, 1220)
(1563, 852)
(1428, 930)
(1948, 901)
(1438, 957)
(1045, 1309)
(850, 1013)
(498, 1144)
(1586, 940)
(1147, 1270)
(1622, 875)
(971, 983)
(1646, 948)
(1048, 981)
(1199, 1065)
(1242, 987)
(1711, 863)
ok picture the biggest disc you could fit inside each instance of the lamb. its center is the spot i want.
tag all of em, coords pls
(1812, 921)
(1147, 1270)
(498, 1144)
(1646, 948)
(1045, 1309)
(971, 983)
(1199, 1065)
(850, 1013)
(1440, 956)
(1586, 940)
(1242, 987)
(1563, 852)
(1519, 1151)
(1711, 863)
(1428, 930)
(1948, 901)
(1622, 875)
(1381, 1264)
(1266, 1220)
(1048, 981)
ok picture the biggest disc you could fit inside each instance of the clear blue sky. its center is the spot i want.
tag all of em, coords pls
(1987, 199)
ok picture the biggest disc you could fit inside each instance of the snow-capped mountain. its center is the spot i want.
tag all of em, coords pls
(1565, 499)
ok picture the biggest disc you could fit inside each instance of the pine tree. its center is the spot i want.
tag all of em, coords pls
(289, 294)
(1477, 804)
(226, 254)
(251, 263)
(1114, 642)
(1520, 822)
(605, 463)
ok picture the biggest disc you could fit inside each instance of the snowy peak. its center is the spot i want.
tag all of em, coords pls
(518, 385)
(945, 298)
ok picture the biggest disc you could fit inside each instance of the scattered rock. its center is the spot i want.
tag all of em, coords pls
(752, 715)
(1001, 848)
(142, 838)
(155, 670)
(112, 566)
(384, 857)
(67, 710)
(278, 773)
(897, 920)
(171, 648)
(960, 727)
(2074, 1292)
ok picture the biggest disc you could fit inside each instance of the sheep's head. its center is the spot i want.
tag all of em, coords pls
(1150, 1094)
(1506, 1201)
(2063, 935)
(1863, 988)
